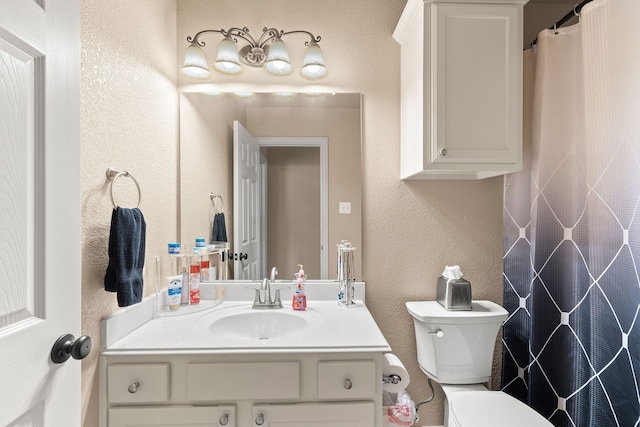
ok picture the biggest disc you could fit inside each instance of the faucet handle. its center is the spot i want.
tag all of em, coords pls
(276, 299)
(257, 298)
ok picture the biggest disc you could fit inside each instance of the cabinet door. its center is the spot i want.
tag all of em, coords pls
(360, 414)
(173, 416)
(477, 72)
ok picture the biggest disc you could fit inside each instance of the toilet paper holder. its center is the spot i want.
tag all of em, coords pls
(391, 379)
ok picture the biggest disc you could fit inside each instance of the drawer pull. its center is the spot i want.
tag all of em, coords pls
(224, 420)
(348, 384)
(260, 419)
(134, 387)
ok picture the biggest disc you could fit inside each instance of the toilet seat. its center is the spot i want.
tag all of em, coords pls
(491, 409)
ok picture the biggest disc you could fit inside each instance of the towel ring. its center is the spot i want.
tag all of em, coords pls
(214, 201)
(113, 175)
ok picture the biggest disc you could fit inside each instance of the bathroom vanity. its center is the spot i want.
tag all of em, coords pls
(231, 365)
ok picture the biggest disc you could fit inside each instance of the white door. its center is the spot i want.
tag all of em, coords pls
(39, 210)
(246, 205)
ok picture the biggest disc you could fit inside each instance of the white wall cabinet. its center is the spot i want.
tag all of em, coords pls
(183, 390)
(461, 88)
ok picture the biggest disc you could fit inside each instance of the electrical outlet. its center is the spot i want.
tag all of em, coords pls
(345, 208)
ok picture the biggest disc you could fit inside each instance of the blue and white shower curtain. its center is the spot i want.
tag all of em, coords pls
(571, 344)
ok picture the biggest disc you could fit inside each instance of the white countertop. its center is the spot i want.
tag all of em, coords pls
(330, 328)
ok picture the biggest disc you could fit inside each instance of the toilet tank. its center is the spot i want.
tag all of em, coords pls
(456, 347)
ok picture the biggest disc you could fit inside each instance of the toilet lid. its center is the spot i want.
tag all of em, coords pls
(492, 409)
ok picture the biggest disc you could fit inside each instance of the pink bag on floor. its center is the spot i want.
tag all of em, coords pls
(402, 413)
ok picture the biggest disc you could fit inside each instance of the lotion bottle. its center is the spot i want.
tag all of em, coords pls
(299, 298)
(194, 282)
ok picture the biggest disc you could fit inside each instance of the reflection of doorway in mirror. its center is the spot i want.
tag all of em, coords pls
(296, 205)
(292, 209)
(280, 204)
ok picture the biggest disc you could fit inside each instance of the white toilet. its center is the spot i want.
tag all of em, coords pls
(455, 348)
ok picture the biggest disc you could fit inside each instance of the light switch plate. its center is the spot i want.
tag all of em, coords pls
(345, 208)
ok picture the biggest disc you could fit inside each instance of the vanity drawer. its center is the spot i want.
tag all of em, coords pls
(138, 383)
(354, 379)
(228, 381)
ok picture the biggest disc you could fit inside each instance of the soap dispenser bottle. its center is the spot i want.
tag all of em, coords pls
(299, 298)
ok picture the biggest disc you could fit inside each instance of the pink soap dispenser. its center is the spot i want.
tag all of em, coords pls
(299, 298)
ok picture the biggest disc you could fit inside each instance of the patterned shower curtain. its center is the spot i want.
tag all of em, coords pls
(571, 344)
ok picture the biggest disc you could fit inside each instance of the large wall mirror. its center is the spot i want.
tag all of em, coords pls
(290, 131)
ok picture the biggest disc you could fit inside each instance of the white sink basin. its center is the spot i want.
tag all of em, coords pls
(245, 323)
(261, 325)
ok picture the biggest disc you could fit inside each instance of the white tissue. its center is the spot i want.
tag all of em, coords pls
(391, 365)
(452, 272)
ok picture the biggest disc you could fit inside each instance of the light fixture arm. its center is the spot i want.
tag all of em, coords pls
(314, 39)
(232, 33)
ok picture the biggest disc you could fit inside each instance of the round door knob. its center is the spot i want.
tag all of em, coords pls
(68, 346)
(348, 384)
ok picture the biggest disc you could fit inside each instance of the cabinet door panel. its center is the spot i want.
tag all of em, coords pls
(138, 383)
(478, 89)
(227, 381)
(173, 416)
(361, 414)
(355, 379)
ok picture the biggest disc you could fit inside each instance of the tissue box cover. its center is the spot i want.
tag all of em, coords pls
(454, 294)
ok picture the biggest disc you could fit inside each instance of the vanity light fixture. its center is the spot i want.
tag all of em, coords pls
(268, 52)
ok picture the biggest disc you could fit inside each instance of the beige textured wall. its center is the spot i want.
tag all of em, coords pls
(128, 121)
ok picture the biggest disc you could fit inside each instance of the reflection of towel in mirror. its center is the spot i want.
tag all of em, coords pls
(219, 229)
(126, 255)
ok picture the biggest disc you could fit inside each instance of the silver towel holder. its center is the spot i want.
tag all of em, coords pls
(214, 201)
(113, 175)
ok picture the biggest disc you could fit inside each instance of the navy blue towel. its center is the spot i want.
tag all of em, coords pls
(126, 255)
(219, 229)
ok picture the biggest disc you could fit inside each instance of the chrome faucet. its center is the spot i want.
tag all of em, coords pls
(266, 302)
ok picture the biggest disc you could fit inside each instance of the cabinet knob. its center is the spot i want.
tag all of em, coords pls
(443, 152)
(260, 419)
(348, 384)
(224, 420)
(133, 387)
